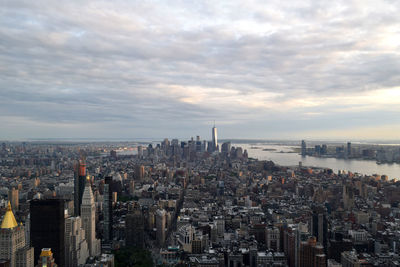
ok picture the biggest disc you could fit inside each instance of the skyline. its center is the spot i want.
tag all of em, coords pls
(298, 70)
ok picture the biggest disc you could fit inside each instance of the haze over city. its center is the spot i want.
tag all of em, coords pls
(297, 69)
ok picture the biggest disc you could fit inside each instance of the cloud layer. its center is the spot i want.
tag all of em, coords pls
(274, 69)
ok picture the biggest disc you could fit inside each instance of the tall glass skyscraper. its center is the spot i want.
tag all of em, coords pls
(79, 185)
(214, 138)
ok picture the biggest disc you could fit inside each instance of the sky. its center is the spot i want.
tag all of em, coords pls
(303, 69)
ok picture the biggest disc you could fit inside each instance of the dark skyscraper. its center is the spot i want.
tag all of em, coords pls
(134, 226)
(79, 185)
(319, 225)
(348, 149)
(107, 209)
(48, 228)
(303, 148)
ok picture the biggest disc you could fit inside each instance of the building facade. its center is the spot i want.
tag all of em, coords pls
(88, 215)
(12, 242)
(48, 228)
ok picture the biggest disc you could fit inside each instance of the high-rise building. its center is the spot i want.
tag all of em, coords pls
(134, 227)
(107, 210)
(13, 197)
(161, 220)
(226, 148)
(319, 225)
(46, 258)
(303, 148)
(210, 146)
(76, 247)
(88, 214)
(337, 245)
(272, 238)
(214, 139)
(48, 227)
(140, 173)
(140, 151)
(79, 186)
(349, 149)
(312, 254)
(12, 242)
(348, 196)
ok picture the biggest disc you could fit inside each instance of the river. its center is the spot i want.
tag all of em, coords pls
(367, 167)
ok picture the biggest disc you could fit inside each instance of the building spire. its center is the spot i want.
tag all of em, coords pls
(9, 219)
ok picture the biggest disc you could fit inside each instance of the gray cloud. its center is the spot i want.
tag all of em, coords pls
(174, 66)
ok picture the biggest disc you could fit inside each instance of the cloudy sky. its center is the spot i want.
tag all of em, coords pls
(260, 69)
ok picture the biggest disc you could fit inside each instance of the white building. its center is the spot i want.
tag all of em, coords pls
(77, 251)
(88, 214)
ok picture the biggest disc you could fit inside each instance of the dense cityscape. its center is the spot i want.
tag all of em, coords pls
(110, 155)
(188, 203)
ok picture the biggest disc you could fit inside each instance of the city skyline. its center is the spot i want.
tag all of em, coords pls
(303, 70)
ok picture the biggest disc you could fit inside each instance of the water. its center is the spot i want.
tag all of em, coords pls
(367, 167)
(127, 152)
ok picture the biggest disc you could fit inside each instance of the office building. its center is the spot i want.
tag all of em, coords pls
(348, 196)
(140, 173)
(88, 214)
(226, 148)
(312, 254)
(76, 246)
(107, 210)
(319, 225)
(13, 247)
(79, 185)
(272, 238)
(134, 227)
(349, 149)
(48, 228)
(303, 148)
(161, 219)
(214, 139)
(13, 197)
(140, 151)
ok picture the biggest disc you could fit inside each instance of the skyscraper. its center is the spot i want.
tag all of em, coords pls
(348, 196)
(303, 148)
(107, 210)
(79, 186)
(76, 246)
(48, 227)
(134, 226)
(319, 225)
(12, 242)
(160, 223)
(349, 149)
(88, 214)
(226, 148)
(312, 254)
(140, 172)
(214, 138)
(13, 198)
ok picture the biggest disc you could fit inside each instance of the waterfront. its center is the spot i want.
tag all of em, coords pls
(267, 151)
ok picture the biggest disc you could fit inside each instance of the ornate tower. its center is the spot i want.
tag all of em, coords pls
(88, 214)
